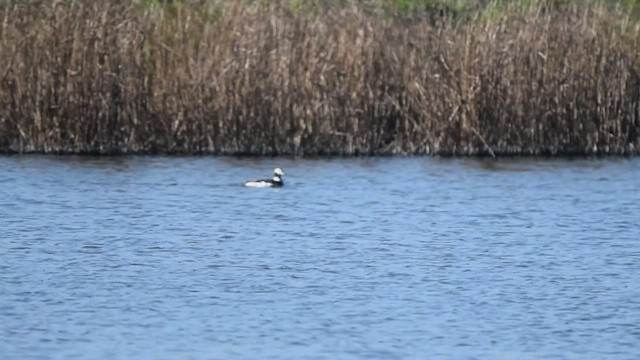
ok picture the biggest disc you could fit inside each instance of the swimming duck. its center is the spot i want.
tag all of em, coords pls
(275, 182)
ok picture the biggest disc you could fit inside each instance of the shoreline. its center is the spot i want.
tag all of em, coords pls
(537, 153)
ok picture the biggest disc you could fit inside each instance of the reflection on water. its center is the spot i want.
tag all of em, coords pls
(153, 257)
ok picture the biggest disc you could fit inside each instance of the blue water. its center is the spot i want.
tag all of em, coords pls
(413, 258)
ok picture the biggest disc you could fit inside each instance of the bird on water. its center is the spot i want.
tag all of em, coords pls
(276, 181)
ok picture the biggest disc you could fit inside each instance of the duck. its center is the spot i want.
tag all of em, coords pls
(276, 181)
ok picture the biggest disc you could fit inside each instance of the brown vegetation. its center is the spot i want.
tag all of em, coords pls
(108, 77)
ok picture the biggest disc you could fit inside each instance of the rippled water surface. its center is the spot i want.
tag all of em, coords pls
(415, 258)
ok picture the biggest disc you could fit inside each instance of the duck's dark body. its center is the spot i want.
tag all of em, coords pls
(265, 183)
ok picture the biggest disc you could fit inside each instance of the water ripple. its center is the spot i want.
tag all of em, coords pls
(352, 259)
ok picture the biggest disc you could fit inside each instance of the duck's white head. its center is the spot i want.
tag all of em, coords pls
(278, 172)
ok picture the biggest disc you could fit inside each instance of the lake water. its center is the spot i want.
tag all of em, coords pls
(377, 258)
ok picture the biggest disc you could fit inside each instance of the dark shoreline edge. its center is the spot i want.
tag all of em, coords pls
(629, 152)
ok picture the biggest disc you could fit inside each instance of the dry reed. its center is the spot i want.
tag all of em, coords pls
(105, 77)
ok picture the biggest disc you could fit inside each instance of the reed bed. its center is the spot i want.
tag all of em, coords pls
(246, 78)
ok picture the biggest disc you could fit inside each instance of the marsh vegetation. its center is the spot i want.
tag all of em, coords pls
(291, 78)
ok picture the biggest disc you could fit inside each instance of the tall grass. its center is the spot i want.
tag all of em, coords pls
(274, 78)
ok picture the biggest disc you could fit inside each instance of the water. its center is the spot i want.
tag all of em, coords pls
(415, 258)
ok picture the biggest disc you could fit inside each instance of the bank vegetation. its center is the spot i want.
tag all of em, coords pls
(294, 78)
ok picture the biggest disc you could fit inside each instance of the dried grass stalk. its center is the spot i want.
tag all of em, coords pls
(109, 78)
